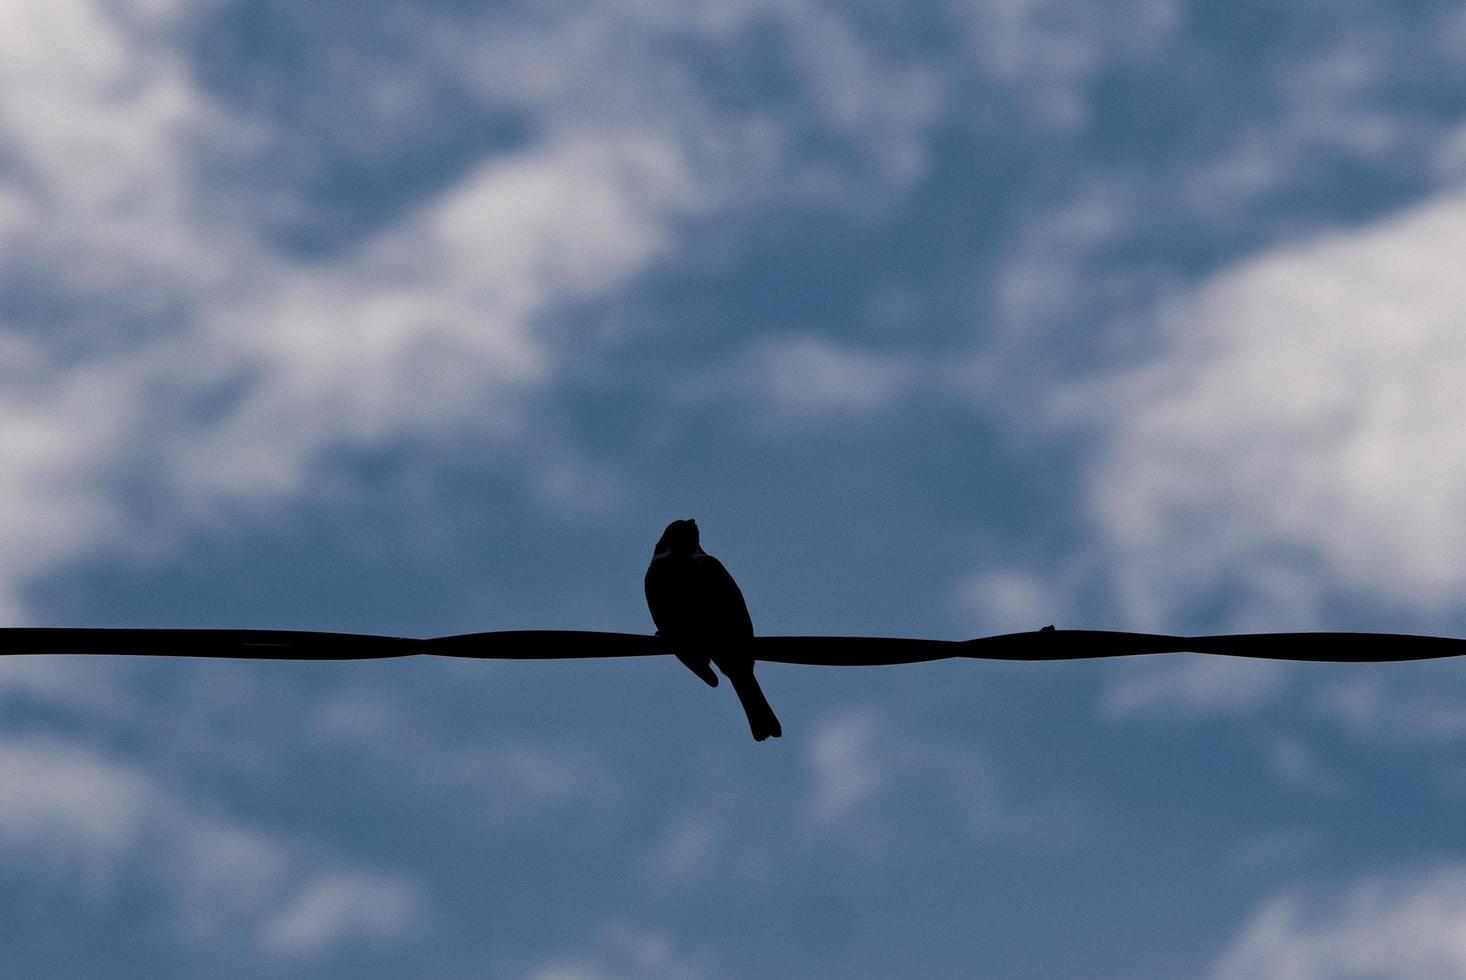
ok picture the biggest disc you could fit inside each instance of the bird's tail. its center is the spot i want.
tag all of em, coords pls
(761, 718)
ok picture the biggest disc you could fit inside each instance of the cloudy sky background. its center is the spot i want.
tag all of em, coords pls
(421, 318)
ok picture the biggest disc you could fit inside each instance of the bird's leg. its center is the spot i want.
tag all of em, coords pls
(700, 667)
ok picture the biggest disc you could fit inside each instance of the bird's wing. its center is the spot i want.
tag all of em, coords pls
(658, 601)
(723, 610)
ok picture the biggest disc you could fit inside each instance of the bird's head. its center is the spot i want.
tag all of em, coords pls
(680, 538)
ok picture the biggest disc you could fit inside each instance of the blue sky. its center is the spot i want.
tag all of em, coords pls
(945, 320)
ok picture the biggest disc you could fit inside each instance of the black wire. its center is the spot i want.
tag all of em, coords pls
(825, 651)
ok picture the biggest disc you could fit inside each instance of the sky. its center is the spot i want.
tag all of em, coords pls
(942, 319)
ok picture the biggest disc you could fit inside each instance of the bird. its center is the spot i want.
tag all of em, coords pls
(699, 609)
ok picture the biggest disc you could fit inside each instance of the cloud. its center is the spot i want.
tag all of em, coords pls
(1296, 765)
(685, 851)
(1393, 927)
(84, 684)
(1400, 703)
(1272, 850)
(1427, 704)
(507, 781)
(427, 333)
(339, 907)
(95, 128)
(856, 91)
(93, 197)
(1047, 53)
(623, 951)
(1053, 276)
(1195, 684)
(766, 100)
(580, 486)
(369, 719)
(176, 352)
(856, 764)
(524, 779)
(1009, 599)
(212, 376)
(1300, 432)
(804, 380)
(66, 810)
(1339, 103)
(849, 765)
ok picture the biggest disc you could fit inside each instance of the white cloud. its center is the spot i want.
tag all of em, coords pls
(1195, 684)
(1270, 851)
(65, 810)
(360, 718)
(1402, 703)
(87, 684)
(524, 780)
(504, 781)
(1011, 599)
(1449, 159)
(168, 297)
(68, 810)
(95, 120)
(425, 332)
(1297, 765)
(1397, 927)
(625, 951)
(884, 105)
(557, 63)
(1428, 703)
(428, 332)
(849, 764)
(685, 850)
(805, 379)
(1303, 430)
(1047, 52)
(1049, 280)
(342, 906)
(1334, 104)
(856, 763)
(580, 486)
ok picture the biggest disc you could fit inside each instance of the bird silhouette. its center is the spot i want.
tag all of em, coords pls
(699, 609)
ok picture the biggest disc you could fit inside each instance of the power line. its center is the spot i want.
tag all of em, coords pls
(825, 651)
